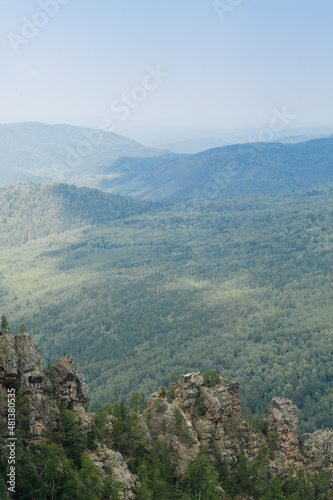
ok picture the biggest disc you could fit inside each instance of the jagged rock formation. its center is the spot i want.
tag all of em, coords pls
(46, 392)
(20, 360)
(212, 416)
(70, 384)
(283, 420)
(189, 415)
(317, 449)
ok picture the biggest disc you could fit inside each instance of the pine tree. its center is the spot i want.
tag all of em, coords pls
(4, 323)
(275, 490)
(201, 479)
(23, 328)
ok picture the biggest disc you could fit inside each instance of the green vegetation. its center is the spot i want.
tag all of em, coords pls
(59, 467)
(202, 480)
(211, 378)
(23, 328)
(34, 211)
(4, 323)
(62, 466)
(40, 152)
(245, 169)
(139, 291)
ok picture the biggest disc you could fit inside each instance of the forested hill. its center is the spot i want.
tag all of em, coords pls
(38, 152)
(243, 285)
(29, 211)
(245, 169)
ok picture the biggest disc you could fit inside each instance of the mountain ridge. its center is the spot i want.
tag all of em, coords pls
(119, 165)
(37, 151)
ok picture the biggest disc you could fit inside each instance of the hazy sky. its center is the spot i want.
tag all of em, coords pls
(177, 62)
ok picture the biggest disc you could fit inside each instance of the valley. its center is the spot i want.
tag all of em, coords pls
(137, 290)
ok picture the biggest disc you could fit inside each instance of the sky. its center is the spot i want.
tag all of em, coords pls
(182, 63)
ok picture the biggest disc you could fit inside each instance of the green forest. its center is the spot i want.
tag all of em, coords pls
(61, 465)
(138, 290)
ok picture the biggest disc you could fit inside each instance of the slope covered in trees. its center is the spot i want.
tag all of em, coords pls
(244, 285)
(32, 211)
(39, 152)
(244, 169)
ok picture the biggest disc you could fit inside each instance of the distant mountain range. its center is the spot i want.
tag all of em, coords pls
(85, 157)
(211, 139)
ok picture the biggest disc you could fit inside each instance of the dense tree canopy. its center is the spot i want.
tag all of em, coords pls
(241, 285)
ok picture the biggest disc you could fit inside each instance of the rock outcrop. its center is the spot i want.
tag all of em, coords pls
(206, 416)
(21, 361)
(46, 391)
(317, 449)
(283, 421)
(190, 414)
(212, 416)
(70, 386)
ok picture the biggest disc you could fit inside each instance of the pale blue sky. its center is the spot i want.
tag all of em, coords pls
(265, 54)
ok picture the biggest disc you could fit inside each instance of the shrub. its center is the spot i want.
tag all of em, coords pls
(171, 393)
(200, 408)
(211, 378)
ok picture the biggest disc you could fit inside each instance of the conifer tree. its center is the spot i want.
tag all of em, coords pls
(275, 490)
(23, 328)
(4, 323)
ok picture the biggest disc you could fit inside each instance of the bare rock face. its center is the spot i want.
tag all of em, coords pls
(212, 416)
(9, 366)
(120, 472)
(187, 391)
(192, 415)
(69, 384)
(20, 360)
(317, 448)
(173, 430)
(28, 355)
(19, 357)
(283, 418)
